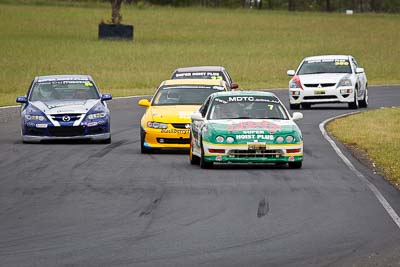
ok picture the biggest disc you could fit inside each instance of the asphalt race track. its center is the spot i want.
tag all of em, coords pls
(82, 204)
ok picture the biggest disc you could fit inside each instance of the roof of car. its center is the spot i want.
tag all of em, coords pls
(321, 57)
(200, 68)
(244, 93)
(194, 81)
(63, 77)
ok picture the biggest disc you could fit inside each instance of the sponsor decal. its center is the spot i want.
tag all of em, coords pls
(341, 63)
(219, 78)
(67, 82)
(253, 132)
(175, 131)
(291, 158)
(199, 74)
(217, 87)
(218, 158)
(63, 104)
(91, 124)
(338, 62)
(191, 86)
(248, 99)
(254, 137)
(264, 124)
(41, 125)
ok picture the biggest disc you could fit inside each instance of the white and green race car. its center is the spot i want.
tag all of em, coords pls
(245, 127)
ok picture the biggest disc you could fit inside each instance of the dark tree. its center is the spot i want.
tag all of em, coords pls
(328, 5)
(116, 16)
(292, 5)
(375, 5)
(270, 4)
(361, 5)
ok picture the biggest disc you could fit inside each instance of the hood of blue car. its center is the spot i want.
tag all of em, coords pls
(66, 106)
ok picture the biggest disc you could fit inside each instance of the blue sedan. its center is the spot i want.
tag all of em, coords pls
(64, 107)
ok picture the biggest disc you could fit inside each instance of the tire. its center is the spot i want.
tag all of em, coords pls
(143, 149)
(205, 164)
(294, 106)
(194, 160)
(106, 141)
(354, 104)
(295, 165)
(364, 103)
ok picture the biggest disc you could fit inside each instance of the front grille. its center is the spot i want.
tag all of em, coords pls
(95, 130)
(36, 131)
(318, 97)
(181, 125)
(263, 153)
(63, 117)
(66, 131)
(317, 84)
(173, 140)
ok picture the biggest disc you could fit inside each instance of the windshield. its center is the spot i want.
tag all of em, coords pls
(214, 75)
(184, 94)
(66, 89)
(325, 66)
(247, 107)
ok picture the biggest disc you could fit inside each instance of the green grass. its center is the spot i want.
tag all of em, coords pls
(375, 133)
(257, 47)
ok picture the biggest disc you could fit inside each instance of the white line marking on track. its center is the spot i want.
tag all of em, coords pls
(392, 213)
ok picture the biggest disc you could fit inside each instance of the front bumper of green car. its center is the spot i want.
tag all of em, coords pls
(253, 153)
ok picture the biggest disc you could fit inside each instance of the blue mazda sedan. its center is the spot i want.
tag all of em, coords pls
(60, 107)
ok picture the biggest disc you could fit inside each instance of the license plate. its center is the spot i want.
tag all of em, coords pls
(319, 92)
(256, 146)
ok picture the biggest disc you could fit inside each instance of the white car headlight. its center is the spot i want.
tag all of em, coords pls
(34, 118)
(279, 139)
(219, 139)
(96, 115)
(157, 125)
(345, 82)
(294, 84)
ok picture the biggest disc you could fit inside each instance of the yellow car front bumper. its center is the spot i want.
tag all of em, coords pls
(167, 138)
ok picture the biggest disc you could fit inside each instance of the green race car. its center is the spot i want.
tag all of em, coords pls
(245, 127)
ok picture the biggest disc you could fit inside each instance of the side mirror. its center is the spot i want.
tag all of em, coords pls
(196, 116)
(144, 103)
(291, 72)
(297, 116)
(359, 70)
(234, 86)
(106, 97)
(21, 99)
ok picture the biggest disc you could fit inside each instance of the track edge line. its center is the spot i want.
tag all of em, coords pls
(392, 213)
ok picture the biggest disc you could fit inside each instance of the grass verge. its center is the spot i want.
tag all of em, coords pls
(256, 46)
(373, 136)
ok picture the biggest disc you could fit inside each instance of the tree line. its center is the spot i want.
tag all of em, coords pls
(291, 5)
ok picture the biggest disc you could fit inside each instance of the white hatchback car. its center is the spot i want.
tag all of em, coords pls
(328, 79)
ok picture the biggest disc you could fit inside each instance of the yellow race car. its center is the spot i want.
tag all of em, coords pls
(166, 121)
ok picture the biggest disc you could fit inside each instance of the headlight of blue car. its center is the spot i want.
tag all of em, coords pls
(95, 116)
(96, 113)
(32, 117)
(33, 114)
